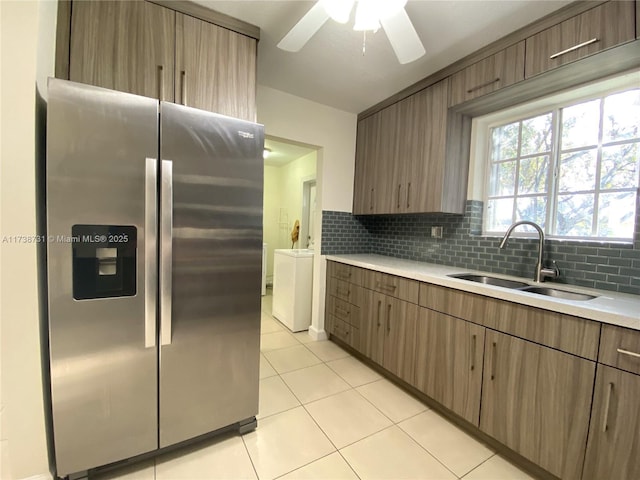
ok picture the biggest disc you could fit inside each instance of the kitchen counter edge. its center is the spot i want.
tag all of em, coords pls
(620, 309)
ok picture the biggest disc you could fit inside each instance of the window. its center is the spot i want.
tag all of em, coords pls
(572, 168)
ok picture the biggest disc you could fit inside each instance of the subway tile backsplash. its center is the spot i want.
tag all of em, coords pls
(606, 266)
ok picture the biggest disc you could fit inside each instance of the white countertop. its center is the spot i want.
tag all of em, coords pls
(609, 307)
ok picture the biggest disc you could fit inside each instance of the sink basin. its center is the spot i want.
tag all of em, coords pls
(554, 292)
(498, 282)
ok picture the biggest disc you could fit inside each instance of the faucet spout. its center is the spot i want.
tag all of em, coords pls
(540, 273)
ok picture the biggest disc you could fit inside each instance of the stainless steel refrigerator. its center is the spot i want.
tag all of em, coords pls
(154, 229)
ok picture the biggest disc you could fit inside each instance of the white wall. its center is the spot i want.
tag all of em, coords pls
(283, 190)
(27, 51)
(271, 217)
(334, 132)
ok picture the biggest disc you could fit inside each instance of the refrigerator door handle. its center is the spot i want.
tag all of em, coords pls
(166, 259)
(150, 249)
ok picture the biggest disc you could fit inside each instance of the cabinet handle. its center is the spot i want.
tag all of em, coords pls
(371, 200)
(160, 82)
(388, 318)
(408, 194)
(627, 352)
(486, 84)
(385, 287)
(575, 47)
(183, 80)
(494, 354)
(379, 306)
(473, 352)
(345, 313)
(399, 196)
(607, 404)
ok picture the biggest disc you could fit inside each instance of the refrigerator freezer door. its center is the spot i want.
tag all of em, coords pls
(101, 184)
(209, 371)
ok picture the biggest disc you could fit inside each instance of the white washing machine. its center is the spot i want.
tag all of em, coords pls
(292, 286)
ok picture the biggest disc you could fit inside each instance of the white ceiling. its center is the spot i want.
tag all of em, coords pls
(331, 69)
(284, 152)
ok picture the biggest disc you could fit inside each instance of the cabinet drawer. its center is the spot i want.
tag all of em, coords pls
(344, 272)
(488, 75)
(595, 30)
(620, 347)
(344, 311)
(340, 329)
(563, 332)
(345, 291)
(345, 332)
(393, 286)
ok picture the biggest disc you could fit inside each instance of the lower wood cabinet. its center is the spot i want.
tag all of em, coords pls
(449, 356)
(391, 333)
(537, 401)
(511, 370)
(614, 435)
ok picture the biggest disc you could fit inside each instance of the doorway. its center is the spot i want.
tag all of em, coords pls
(307, 227)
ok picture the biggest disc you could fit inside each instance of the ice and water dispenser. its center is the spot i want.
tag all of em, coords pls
(104, 261)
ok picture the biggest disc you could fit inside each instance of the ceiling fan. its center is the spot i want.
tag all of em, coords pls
(370, 15)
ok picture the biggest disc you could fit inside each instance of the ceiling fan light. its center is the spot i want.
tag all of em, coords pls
(338, 10)
(367, 15)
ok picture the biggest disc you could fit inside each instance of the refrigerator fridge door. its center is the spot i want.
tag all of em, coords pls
(101, 252)
(210, 271)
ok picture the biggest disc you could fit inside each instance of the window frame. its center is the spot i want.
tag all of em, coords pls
(480, 168)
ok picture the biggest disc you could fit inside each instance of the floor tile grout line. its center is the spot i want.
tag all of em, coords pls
(393, 422)
(255, 470)
(452, 425)
(478, 466)
(349, 464)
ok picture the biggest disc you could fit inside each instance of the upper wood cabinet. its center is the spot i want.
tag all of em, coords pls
(147, 49)
(614, 434)
(537, 401)
(364, 187)
(595, 30)
(215, 68)
(449, 355)
(402, 161)
(488, 75)
(125, 46)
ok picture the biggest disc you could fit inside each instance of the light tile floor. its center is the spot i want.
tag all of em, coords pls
(326, 415)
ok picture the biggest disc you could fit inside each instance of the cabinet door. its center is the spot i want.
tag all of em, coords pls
(449, 356)
(425, 137)
(488, 75)
(364, 186)
(595, 30)
(386, 164)
(215, 68)
(399, 338)
(613, 450)
(537, 401)
(377, 313)
(125, 46)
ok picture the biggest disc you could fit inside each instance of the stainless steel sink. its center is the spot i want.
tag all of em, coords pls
(498, 282)
(554, 292)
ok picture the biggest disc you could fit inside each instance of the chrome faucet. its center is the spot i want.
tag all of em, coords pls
(540, 273)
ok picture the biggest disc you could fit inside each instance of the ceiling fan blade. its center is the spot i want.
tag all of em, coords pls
(306, 27)
(403, 37)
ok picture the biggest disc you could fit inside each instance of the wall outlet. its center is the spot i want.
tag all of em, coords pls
(436, 232)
